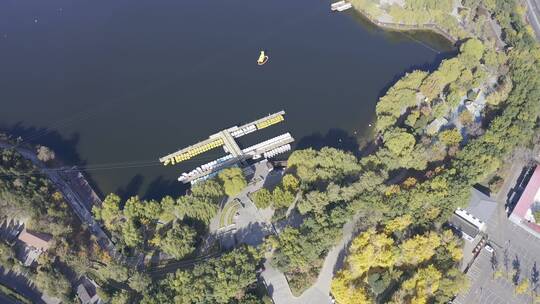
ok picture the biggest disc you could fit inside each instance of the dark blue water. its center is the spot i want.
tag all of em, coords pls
(118, 82)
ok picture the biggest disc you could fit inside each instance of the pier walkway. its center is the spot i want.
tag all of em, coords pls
(235, 154)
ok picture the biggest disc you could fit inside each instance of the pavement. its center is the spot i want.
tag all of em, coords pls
(516, 254)
(318, 293)
(251, 225)
(533, 14)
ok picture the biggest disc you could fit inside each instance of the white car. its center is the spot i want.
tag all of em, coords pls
(489, 249)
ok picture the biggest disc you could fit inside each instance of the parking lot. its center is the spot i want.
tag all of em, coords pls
(515, 262)
(515, 257)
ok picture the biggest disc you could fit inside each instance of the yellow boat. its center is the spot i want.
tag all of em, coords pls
(263, 58)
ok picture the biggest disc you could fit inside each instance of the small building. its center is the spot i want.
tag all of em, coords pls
(87, 292)
(35, 244)
(522, 214)
(472, 222)
(436, 125)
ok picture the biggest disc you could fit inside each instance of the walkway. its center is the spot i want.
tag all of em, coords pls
(533, 14)
(318, 293)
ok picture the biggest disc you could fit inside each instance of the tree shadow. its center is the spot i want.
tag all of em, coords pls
(516, 266)
(485, 190)
(21, 284)
(494, 262)
(270, 289)
(506, 260)
(334, 138)
(160, 187)
(131, 189)
(535, 277)
(253, 234)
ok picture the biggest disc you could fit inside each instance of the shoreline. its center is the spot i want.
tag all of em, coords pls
(402, 27)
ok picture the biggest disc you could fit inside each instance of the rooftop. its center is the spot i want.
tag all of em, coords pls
(527, 199)
(464, 226)
(86, 291)
(481, 205)
(37, 240)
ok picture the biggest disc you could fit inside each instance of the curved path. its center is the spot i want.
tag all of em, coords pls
(318, 293)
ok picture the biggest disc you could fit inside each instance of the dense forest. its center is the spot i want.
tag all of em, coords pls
(437, 134)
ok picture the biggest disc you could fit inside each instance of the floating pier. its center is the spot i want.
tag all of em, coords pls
(340, 6)
(226, 139)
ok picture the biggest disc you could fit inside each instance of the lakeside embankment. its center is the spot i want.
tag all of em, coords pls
(397, 26)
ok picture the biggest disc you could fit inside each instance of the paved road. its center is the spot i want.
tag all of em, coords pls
(533, 14)
(74, 200)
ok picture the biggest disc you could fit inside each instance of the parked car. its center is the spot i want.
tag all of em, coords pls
(489, 249)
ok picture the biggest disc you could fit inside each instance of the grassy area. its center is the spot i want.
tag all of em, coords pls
(12, 294)
(227, 214)
(301, 281)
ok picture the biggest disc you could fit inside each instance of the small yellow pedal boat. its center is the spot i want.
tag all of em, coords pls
(263, 58)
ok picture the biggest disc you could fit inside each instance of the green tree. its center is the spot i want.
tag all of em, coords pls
(233, 180)
(120, 297)
(216, 280)
(7, 256)
(109, 211)
(131, 234)
(262, 198)
(282, 198)
(52, 282)
(290, 183)
(399, 142)
(179, 241)
(471, 52)
(139, 282)
(450, 137)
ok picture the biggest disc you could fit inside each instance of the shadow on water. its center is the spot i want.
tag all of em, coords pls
(160, 187)
(131, 189)
(425, 37)
(334, 138)
(428, 67)
(64, 148)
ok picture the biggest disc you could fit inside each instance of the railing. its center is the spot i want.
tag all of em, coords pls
(407, 27)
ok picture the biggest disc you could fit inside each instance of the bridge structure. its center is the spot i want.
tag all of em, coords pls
(235, 154)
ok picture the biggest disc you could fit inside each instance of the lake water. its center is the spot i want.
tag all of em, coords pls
(114, 85)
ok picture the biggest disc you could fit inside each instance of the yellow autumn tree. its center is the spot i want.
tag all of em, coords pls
(346, 292)
(371, 249)
(452, 245)
(398, 224)
(418, 249)
(422, 285)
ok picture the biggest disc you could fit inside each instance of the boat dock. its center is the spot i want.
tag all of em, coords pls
(226, 139)
(340, 6)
